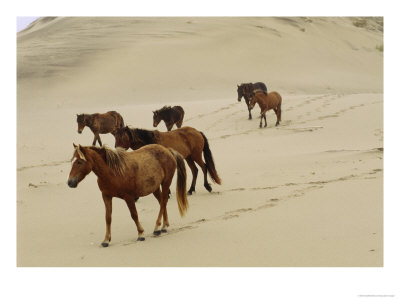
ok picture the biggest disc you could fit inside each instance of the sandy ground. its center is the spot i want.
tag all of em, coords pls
(306, 193)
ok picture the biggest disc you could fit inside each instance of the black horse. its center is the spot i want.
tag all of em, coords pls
(170, 115)
(246, 89)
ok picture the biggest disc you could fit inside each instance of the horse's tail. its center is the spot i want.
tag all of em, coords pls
(180, 183)
(210, 161)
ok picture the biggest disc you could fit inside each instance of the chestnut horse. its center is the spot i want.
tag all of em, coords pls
(170, 115)
(246, 89)
(100, 123)
(266, 102)
(189, 142)
(129, 175)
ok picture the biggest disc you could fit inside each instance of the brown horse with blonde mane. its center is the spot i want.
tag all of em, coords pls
(100, 123)
(189, 142)
(266, 102)
(129, 175)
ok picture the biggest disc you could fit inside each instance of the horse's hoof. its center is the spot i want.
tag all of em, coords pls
(208, 188)
(104, 244)
(157, 232)
(164, 230)
(190, 191)
(141, 239)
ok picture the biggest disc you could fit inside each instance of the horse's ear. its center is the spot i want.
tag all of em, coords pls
(81, 151)
(74, 145)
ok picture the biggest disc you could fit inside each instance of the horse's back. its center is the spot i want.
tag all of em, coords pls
(178, 113)
(272, 100)
(153, 157)
(276, 97)
(179, 109)
(184, 140)
(153, 164)
(260, 85)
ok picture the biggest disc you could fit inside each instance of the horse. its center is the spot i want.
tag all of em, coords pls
(266, 102)
(189, 142)
(129, 175)
(100, 123)
(170, 115)
(246, 89)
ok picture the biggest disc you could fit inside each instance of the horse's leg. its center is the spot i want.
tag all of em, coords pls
(179, 123)
(280, 113)
(163, 207)
(198, 159)
(261, 120)
(99, 140)
(134, 215)
(265, 119)
(248, 107)
(169, 126)
(194, 170)
(157, 194)
(94, 140)
(108, 205)
(277, 112)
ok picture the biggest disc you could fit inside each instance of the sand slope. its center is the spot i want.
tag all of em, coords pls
(306, 193)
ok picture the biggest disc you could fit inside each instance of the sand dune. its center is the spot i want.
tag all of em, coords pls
(306, 193)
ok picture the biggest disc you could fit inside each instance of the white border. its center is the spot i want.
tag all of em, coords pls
(206, 283)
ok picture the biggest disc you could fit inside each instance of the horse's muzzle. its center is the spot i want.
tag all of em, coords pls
(72, 183)
(79, 131)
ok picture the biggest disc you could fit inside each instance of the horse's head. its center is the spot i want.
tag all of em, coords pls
(81, 122)
(80, 167)
(156, 118)
(122, 138)
(240, 92)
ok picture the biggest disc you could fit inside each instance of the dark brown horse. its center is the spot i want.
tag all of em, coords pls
(129, 175)
(189, 142)
(170, 115)
(100, 123)
(246, 89)
(266, 102)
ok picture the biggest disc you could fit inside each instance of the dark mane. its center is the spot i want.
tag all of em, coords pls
(144, 136)
(164, 111)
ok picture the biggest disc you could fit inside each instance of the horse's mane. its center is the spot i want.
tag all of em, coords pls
(165, 111)
(143, 135)
(165, 108)
(115, 158)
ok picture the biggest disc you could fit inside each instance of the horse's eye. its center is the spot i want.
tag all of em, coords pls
(79, 162)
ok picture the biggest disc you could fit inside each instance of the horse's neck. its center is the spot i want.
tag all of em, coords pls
(260, 102)
(88, 120)
(100, 167)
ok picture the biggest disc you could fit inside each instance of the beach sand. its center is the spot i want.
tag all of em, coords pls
(306, 193)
